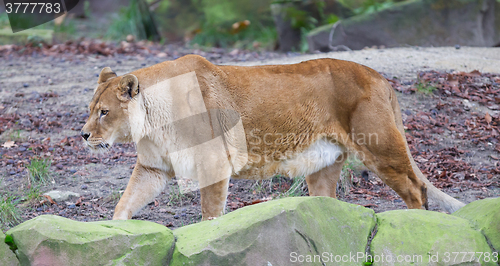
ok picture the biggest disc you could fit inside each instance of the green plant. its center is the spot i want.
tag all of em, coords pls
(351, 165)
(425, 88)
(124, 23)
(39, 173)
(300, 19)
(371, 6)
(66, 28)
(297, 189)
(177, 196)
(15, 135)
(114, 197)
(86, 8)
(33, 194)
(134, 19)
(9, 215)
(252, 37)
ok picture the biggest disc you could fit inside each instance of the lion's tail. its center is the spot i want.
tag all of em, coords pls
(445, 201)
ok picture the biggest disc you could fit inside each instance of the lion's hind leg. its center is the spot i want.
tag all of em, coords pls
(324, 182)
(378, 143)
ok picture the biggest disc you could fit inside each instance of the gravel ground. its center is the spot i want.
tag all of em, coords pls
(54, 92)
(405, 63)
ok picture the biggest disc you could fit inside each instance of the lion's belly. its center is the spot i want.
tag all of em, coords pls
(320, 154)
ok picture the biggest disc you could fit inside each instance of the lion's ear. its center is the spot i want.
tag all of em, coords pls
(106, 73)
(128, 88)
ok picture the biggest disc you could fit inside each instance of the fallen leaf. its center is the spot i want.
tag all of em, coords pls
(488, 118)
(79, 201)
(9, 144)
(50, 199)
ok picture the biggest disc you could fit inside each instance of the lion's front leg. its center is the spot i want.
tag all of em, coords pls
(213, 199)
(145, 184)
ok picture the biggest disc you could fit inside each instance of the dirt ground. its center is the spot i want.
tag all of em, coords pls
(454, 137)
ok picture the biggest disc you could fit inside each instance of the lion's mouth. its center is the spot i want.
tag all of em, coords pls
(98, 146)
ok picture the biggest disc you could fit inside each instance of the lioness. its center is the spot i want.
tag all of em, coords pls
(324, 109)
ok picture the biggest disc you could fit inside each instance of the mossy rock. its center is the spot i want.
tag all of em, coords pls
(485, 215)
(415, 22)
(7, 257)
(418, 237)
(54, 240)
(276, 233)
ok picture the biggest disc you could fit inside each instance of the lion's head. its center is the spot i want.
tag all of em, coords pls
(108, 119)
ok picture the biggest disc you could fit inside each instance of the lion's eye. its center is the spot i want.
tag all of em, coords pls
(104, 112)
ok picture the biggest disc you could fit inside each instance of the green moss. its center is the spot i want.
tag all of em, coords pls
(485, 215)
(424, 236)
(270, 231)
(77, 243)
(7, 257)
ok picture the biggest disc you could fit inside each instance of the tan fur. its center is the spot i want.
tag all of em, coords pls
(300, 119)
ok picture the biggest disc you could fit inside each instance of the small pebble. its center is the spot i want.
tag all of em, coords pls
(26, 85)
(22, 149)
(51, 149)
(176, 216)
(39, 209)
(12, 172)
(183, 214)
(10, 161)
(71, 206)
(59, 166)
(457, 46)
(183, 210)
(72, 171)
(84, 187)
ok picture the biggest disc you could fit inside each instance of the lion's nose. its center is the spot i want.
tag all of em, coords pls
(85, 135)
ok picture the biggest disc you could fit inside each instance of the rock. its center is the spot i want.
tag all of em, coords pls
(418, 22)
(485, 215)
(54, 240)
(26, 122)
(276, 233)
(423, 238)
(60, 196)
(467, 105)
(7, 257)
